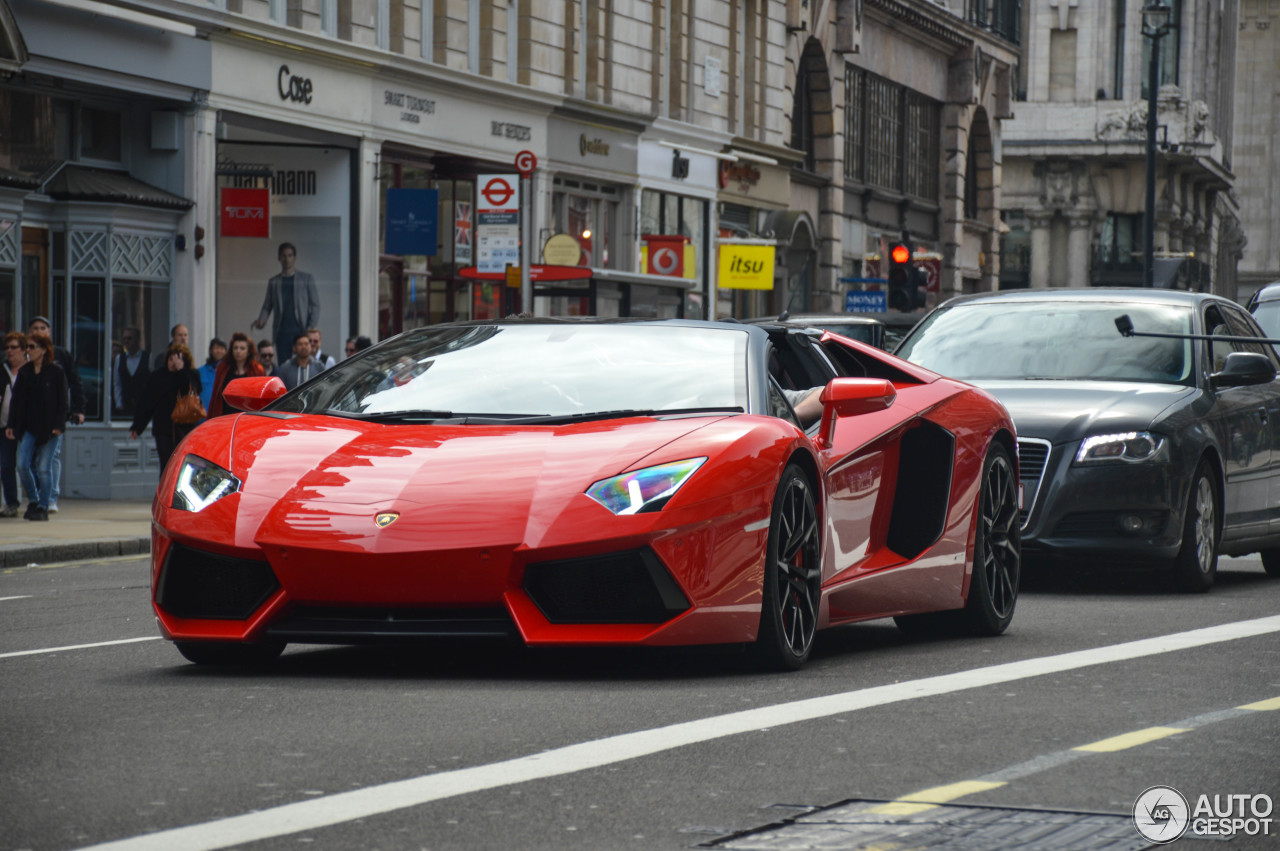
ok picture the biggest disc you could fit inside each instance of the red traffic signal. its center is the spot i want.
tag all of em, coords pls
(900, 254)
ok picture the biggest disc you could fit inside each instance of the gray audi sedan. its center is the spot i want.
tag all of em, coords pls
(1133, 450)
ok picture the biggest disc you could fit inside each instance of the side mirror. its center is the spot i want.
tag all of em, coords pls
(253, 394)
(847, 397)
(1243, 369)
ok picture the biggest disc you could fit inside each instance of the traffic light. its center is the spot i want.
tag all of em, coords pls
(901, 286)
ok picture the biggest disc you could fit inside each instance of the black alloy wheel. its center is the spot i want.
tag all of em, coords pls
(230, 653)
(792, 576)
(1196, 564)
(997, 551)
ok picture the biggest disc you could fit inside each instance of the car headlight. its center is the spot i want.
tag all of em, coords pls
(201, 483)
(1132, 446)
(643, 490)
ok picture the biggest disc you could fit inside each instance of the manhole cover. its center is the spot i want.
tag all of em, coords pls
(881, 825)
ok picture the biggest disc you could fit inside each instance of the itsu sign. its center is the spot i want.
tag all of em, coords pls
(246, 212)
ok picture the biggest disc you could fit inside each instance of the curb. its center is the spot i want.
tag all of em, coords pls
(25, 555)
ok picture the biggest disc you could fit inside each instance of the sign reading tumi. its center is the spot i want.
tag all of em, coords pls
(246, 212)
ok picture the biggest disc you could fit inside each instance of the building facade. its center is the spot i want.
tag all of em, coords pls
(1257, 143)
(1074, 155)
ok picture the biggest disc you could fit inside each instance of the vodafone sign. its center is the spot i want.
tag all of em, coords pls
(246, 212)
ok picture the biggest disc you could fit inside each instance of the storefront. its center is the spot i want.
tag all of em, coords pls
(754, 194)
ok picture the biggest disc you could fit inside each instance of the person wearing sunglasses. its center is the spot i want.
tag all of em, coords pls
(37, 416)
(15, 355)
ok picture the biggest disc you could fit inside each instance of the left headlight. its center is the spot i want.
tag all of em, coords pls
(201, 483)
(1132, 446)
(643, 490)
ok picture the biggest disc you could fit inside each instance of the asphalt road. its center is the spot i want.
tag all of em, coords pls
(1102, 688)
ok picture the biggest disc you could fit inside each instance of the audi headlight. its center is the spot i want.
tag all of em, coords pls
(1131, 446)
(643, 490)
(201, 483)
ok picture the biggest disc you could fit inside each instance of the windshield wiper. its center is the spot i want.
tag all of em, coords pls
(588, 416)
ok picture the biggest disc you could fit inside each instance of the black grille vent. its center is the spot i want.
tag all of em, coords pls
(198, 584)
(1033, 460)
(323, 624)
(628, 587)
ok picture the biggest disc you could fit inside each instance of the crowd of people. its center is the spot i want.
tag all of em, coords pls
(40, 392)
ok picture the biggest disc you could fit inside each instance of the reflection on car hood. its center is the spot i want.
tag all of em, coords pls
(484, 468)
(1062, 411)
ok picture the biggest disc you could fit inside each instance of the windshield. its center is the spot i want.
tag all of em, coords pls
(1053, 340)
(1267, 313)
(535, 370)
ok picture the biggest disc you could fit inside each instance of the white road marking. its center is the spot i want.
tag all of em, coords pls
(19, 597)
(387, 797)
(77, 647)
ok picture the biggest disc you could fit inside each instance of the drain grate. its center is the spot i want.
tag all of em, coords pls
(864, 825)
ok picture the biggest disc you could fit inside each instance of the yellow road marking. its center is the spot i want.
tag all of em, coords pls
(927, 799)
(1130, 740)
(1264, 705)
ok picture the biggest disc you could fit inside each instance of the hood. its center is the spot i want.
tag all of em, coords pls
(1064, 411)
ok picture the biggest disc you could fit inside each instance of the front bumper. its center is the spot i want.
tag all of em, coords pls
(1120, 512)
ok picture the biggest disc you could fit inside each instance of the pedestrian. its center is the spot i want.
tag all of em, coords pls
(178, 336)
(362, 343)
(37, 416)
(241, 361)
(209, 369)
(318, 354)
(351, 346)
(15, 356)
(129, 373)
(267, 356)
(62, 357)
(292, 301)
(299, 368)
(159, 398)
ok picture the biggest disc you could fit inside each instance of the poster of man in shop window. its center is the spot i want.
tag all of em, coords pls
(310, 209)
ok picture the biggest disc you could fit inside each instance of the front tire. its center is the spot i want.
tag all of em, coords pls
(230, 653)
(1196, 564)
(997, 548)
(1271, 562)
(792, 576)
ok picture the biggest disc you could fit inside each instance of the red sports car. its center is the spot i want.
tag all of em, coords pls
(590, 482)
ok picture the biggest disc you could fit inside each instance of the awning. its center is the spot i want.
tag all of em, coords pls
(81, 183)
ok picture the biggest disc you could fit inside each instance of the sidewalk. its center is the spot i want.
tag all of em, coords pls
(82, 529)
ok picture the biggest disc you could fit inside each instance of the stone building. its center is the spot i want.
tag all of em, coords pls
(898, 109)
(1257, 142)
(1074, 155)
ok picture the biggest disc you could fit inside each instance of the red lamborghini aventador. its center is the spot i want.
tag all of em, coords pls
(589, 482)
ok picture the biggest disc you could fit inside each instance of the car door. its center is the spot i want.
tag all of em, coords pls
(1243, 418)
(1242, 324)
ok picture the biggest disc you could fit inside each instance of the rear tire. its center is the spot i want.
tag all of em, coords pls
(230, 653)
(792, 577)
(1271, 562)
(1197, 562)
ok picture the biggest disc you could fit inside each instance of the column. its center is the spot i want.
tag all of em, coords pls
(366, 280)
(1040, 247)
(1079, 261)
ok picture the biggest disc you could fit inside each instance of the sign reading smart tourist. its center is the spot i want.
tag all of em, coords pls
(246, 212)
(412, 216)
(497, 222)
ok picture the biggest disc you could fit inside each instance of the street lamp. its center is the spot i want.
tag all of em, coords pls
(1155, 23)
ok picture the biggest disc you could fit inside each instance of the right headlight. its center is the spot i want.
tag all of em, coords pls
(201, 483)
(1130, 446)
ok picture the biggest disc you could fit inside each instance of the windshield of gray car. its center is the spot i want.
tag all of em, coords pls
(534, 370)
(1267, 313)
(1056, 340)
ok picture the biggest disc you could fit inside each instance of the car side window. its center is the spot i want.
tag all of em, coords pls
(778, 404)
(1217, 326)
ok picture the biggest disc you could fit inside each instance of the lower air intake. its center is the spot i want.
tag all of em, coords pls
(199, 584)
(627, 587)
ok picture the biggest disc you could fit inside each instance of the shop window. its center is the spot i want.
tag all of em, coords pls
(1015, 251)
(588, 212)
(139, 311)
(8, 301)
(88, 342)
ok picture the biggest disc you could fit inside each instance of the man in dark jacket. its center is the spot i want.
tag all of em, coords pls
(62, 357)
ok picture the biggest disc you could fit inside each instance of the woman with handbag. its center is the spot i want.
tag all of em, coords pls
(37, 414)
(241, 361)
(170, 402)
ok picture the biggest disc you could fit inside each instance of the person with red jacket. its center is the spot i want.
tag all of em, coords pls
(241, 361)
